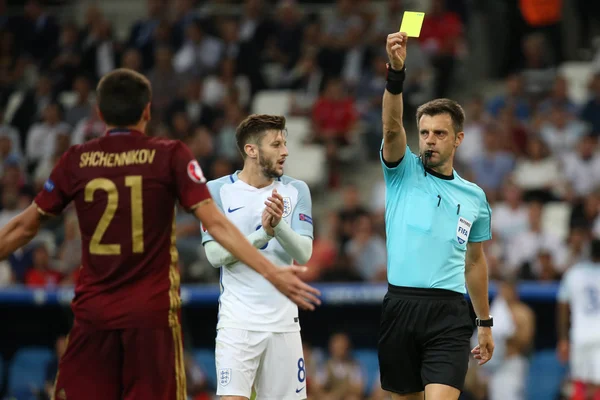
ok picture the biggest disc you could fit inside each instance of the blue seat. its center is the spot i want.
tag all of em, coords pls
(27, 372)
(370, 366)
(206, 359)
(544, 367)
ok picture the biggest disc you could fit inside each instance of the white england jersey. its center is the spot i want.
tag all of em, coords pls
(248, 301)
(580, 288)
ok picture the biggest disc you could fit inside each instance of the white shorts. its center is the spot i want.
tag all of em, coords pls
(271, 362)
(585, 363)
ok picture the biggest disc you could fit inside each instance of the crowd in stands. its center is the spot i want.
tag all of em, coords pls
(528, 147)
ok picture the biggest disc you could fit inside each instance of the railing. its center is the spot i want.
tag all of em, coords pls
(206, 295)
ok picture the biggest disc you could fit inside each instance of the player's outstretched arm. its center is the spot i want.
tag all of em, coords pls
(394, 135)
(19, 231)
(219, 256)
(284, 279)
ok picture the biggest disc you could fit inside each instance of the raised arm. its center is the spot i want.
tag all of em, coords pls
(283, 278)
(394, 135)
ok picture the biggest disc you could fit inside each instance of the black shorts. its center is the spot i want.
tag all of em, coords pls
(424, 338)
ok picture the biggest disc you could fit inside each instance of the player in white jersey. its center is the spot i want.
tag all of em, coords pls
(579, 296)
(258, 332)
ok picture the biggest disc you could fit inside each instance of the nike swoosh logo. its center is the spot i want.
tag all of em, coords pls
(230, 210)
(299, 390)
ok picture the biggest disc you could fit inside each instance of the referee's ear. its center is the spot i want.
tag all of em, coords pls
(458, 139)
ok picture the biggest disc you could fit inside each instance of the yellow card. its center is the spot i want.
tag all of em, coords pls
(412, 22)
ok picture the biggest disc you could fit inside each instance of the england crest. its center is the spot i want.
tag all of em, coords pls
(224, 376)
(462, 230)
(287, 207)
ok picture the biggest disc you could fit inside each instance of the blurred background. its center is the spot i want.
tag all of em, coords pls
(526, 71)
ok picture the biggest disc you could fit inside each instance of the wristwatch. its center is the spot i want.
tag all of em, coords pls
(487, 323)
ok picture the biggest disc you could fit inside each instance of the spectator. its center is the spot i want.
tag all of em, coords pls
(166, 83)
(474, 129)
(88, 128)
(510, 217)
(539, 174)
(538, 69)
(582, 168)
(100, 51)
(41, 139)
(341, 377)
(442, 40)
(513, 96)
(32, 105)
(492, 165)
(191, 103)
(561, 132)
(523, 250)
(216, 87)
(67, 62)
(514, 339)
(591, 111)
(367, 251)
(41, 274)
(142, 32)
(83, 106)
(200, 53)
(559, 97)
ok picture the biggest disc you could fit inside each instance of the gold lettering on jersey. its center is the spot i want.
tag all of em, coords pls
(102, 159)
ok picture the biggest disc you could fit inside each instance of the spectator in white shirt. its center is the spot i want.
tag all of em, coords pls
(562, 132)
(524, 248)
(41, 138)
(200, 53)
(510, 217)
(582, 168)
(539, 174)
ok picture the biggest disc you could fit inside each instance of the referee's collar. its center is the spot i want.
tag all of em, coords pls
(438, 175)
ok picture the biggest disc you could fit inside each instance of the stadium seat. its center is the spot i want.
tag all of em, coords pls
(27, 372)
(544, 367)
(298, 129)
(277, 102)
(307, 163)
(206, 359)
(370, 366)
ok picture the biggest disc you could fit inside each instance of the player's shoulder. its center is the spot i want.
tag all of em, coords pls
(299, 184)
(215, 185)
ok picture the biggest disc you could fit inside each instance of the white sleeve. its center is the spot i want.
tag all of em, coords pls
(564, 290)
(218, 256)
(298, 246)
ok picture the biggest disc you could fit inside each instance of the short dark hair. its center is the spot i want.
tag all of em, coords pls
(595, 250)
(122, 96)
(253, 128)
(444, 106)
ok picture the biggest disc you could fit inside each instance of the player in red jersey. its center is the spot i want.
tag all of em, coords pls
(125, 342)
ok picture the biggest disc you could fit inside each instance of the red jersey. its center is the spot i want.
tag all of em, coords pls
(124, 186)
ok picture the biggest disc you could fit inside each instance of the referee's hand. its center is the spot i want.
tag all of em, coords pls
(396, 49)
(485, 349)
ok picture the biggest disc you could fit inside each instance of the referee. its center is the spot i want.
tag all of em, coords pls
(436, 222)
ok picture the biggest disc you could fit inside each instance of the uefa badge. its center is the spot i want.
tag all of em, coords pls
(224, 376)
(287, 207)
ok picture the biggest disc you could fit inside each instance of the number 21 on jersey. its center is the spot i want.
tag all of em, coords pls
(137, 219)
